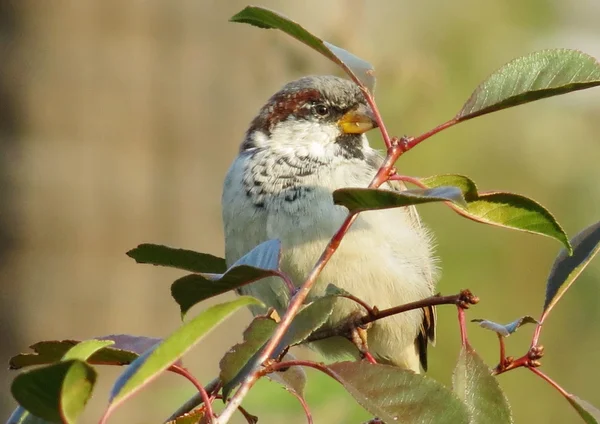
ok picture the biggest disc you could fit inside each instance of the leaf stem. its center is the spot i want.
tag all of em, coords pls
(201, 390)
(553, 383)
(413, 142)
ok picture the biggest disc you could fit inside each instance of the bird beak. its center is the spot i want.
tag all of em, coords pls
(357, 121)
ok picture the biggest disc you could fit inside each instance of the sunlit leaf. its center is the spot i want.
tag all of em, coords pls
(567, 268)
(124, 350)
(397, 395)
(360, 70)
(260, 262)
(193, 417)
(363, 199)
(506, 210)
(587, 411)
(58, 392)
(538, 75)
(149, 365)
(474, 384)
(69, 386)
(508, 329)
(156, 254)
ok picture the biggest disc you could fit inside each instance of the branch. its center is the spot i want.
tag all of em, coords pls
(210, 415)
(462, 300)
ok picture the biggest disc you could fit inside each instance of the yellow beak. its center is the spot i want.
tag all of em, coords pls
(357, 121)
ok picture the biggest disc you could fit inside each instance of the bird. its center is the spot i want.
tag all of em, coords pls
(305, 142)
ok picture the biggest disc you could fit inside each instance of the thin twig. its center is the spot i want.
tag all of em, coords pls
(201, 390)
(550, 381)
(286, 279)
(305, 407)
(502, 348)
(417, 140)
(463, 327)
(462, 299)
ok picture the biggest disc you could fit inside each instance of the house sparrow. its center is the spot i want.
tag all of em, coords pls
(306, 142)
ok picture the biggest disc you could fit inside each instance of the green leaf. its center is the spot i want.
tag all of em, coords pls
(359, 70)
(193, 417)
(363, 199)
(538, 75)
(567, 268)
(587, 411)
(187, 260)
(506, 210)
(56, 393)
(310, 318)
(474, 384)
(149, 365)
(508, 329)
(397, 395)
(124, 350)
(242, 354)
(260, 262)
(66, 397)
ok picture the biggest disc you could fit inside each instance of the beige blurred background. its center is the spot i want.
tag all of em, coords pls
(118, 120)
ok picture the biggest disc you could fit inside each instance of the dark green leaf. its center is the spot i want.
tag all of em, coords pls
(538, 75)
(126, 349)
(587, 411)
(363, 199)
(149, 365)
(360, 70)
(501, 209)
(397, 395)
(309, 319)
(567, 268)
(474, 384)
(508, 329)
(188, 260)
(240, 356)
(260, 262)
(56, 393)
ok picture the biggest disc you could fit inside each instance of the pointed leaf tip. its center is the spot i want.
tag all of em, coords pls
(501, 209)
(566, 269)
(532, 77)
(188, 260)
(160, 357)
(261, 262)
(359, 70)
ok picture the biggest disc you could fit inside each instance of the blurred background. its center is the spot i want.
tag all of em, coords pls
(118, 121)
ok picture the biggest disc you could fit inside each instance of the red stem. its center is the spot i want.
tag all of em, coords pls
(463, 327)
(550, 381)
(415, 141)
(203, 393)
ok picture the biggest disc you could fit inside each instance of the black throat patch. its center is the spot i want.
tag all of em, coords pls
(351, 145)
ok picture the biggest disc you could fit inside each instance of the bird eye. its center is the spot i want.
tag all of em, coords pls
(322, 110)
